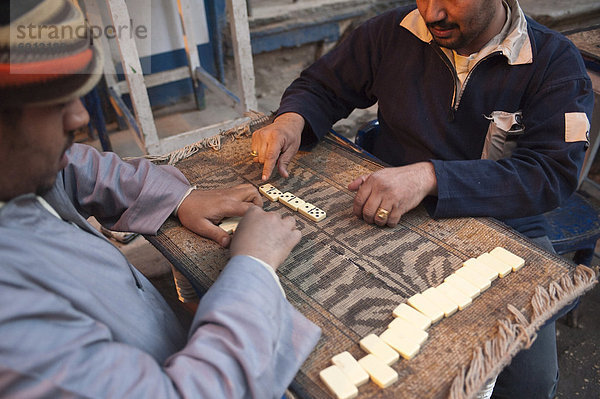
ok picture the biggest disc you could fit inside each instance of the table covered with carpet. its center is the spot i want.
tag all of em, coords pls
(347, 276)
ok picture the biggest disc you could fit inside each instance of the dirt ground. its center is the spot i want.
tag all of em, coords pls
(274, 71)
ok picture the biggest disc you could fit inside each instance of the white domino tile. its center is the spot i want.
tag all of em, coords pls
(296, 203)
(405, 329)
(381, 374)
(474, 278)
(456, 296)
(516, 262)
(462, 285)
(442, 301)
(304, 208)
(230, 224)
(377, 347)
(269, 191)
(350, 367)
(405, 345)
(338, 383)
(481, 268)
(412, 315)
(273, 194)
(500, 267)
(316, 214)
(425, 306)
(265, 187)
(286, 199)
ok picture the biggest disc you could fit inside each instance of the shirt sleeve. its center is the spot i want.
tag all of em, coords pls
(337, 83)
(246, 340)
(132, 195)
(271, 272)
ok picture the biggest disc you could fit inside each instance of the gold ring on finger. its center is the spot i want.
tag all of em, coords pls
(382, 213)
(254, 153)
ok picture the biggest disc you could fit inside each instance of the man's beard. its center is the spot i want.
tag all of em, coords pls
(44, 188)
(452, 44)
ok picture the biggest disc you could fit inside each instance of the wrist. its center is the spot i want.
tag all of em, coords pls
(430, 179)
(291, 118)
(187, 193)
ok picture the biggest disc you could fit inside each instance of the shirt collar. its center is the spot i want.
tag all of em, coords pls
(47, 206)
(513, 41)
(43, 202)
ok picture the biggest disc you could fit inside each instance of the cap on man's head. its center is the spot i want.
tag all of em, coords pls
(47, 54)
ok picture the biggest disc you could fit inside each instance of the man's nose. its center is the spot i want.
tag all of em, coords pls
(432, 10)
(75, 116)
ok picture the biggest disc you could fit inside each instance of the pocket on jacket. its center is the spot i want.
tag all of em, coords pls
(502, 134)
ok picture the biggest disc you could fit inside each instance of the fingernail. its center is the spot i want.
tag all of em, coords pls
(224, 241)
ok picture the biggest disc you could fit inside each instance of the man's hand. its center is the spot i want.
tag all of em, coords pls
(396, 190)
(277, 143)
(265, 236)
(203, 208)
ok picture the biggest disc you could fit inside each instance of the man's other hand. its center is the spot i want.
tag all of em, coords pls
(202, 209)
(395, 190)
(277, 143)
(266, 236)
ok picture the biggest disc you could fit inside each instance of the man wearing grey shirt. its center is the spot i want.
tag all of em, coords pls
(76, 318)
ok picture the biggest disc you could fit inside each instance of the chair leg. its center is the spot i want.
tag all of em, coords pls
(573, 317)
(584, 256)
(581, 257)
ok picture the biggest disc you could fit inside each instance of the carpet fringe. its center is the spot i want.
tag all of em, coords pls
(516, 332)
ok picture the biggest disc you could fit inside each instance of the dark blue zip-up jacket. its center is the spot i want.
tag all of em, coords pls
(420, 118)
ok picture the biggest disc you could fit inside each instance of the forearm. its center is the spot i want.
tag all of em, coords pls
(246, 341)
(128, 196)
(509, 188)
(333, 87)
(267, 342)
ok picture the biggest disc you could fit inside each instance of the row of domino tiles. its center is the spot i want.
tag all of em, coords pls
(407, 332)
(293, 202)
(288, 199)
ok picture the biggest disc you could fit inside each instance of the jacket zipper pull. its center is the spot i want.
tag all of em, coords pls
(451, 115)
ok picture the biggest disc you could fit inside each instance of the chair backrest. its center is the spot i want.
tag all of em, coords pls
(575, 226)
(365, 137)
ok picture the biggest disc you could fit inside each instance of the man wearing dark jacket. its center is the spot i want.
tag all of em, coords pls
(482, 112)
(76, 318)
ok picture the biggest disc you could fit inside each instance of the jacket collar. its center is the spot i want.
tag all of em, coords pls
(516, 46)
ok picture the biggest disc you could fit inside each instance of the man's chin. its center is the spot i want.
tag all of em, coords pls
(45, 187)
(41, 191)
(449, 43)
